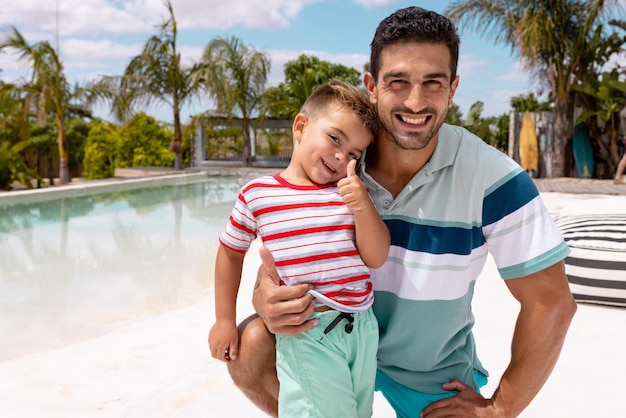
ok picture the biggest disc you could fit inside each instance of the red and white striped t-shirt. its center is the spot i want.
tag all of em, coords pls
(310, 232)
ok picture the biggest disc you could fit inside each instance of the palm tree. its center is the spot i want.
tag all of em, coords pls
(156, 74)
(47, 87)
(235, 77)
(557, 40)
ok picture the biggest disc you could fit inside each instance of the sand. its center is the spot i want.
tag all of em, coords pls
(161, 366)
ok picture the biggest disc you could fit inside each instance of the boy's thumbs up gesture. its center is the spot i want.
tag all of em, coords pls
(366, 220)
(353, 191)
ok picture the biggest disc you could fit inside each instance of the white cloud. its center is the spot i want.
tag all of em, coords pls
(513, 74)
(93, 17)
(73, 17)
(471, 65)
(86, 50)
(371, 4)
(254, 14)
(9, 62)
(614, 61)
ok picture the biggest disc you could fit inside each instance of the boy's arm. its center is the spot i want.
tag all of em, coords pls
(223, 338)
(372, 236)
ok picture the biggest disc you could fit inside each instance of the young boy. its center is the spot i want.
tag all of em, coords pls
(321, 228)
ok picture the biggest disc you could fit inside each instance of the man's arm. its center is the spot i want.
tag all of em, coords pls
(283, 309)
(546, 310)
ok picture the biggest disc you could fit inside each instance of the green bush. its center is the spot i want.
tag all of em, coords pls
(144, 143)
(13, 168)
(101, 152)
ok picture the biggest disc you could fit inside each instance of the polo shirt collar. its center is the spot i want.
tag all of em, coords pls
(445, 154)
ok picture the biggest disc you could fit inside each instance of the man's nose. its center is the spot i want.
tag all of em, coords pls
(415, 99)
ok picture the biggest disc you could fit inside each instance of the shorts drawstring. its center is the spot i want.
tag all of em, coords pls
(342, 315)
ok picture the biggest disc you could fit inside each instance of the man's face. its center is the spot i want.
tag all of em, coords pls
(413, 92)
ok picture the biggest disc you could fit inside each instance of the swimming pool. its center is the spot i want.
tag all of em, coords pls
(80, 262)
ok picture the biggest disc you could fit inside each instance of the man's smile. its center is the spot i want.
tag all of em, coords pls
(413, 120)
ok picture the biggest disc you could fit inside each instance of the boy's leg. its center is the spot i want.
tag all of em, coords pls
(315, 368)
(363, 366)
(254, 370)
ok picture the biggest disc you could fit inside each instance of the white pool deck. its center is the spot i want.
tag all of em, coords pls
(161, 366)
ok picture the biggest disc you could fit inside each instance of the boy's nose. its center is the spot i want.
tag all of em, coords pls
(341, 156)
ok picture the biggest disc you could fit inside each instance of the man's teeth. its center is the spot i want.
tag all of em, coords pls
(414, 121)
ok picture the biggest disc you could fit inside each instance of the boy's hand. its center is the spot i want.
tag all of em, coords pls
(224, 340)
(353, 191)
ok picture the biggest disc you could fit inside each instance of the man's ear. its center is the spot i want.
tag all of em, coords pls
(297, 128)
(453, 86)
(370, 86)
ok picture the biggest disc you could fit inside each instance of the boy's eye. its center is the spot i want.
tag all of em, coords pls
(334, 138)
(353, 156)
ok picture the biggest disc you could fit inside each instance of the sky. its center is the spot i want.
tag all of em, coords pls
(99, 37)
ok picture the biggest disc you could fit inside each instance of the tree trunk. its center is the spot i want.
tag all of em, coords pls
(176, 146)
(64, 168)
(559, 140)
(247, 151)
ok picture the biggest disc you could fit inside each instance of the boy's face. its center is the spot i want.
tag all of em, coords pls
(413, 92)
(326, 143)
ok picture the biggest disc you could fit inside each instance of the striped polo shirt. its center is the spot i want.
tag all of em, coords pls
(468, 200)
(310, 232)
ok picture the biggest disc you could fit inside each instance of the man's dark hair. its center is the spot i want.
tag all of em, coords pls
(414, 24)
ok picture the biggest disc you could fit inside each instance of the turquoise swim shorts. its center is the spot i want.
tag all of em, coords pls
(331, 376)
(407, 402)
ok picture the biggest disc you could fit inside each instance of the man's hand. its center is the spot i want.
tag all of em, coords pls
(353, 191)
(284, 309)
(466, 403)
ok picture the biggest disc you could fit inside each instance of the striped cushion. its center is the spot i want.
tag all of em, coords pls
(596, 266)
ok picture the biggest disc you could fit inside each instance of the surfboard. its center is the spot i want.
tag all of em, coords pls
(595, 231)
(528, 147)
(583, 152)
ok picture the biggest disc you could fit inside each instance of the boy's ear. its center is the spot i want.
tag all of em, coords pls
(298, 126)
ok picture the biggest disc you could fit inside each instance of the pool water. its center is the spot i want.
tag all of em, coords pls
(77, 267)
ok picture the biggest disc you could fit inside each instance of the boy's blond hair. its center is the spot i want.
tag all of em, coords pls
(334, 93)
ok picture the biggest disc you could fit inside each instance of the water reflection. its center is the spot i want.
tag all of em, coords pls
(77, 267)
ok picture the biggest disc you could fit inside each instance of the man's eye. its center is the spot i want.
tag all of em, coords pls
(433, 84)
(397, 84)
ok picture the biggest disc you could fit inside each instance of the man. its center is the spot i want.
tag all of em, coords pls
(448, 199)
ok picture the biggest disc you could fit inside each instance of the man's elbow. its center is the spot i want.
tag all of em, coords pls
(565, 308)
(569, 308)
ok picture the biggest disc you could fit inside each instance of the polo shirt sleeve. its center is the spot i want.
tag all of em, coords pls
(519, 231)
